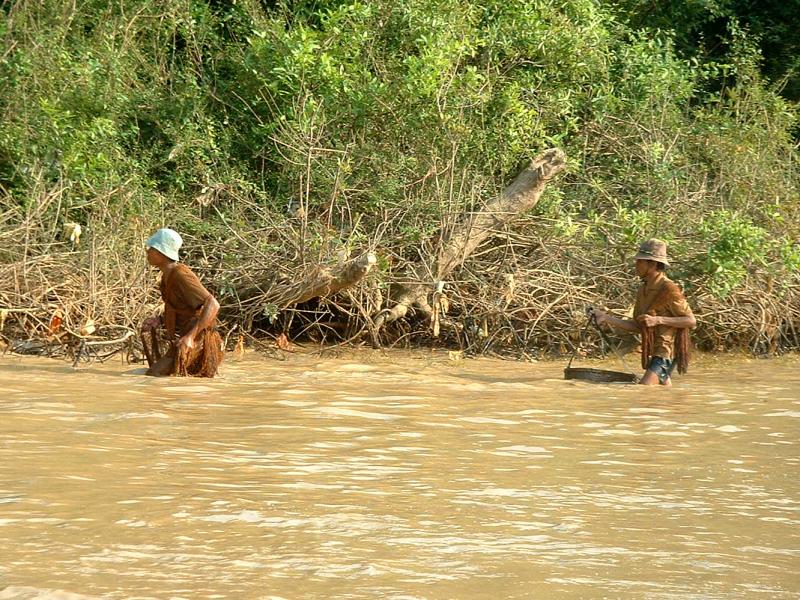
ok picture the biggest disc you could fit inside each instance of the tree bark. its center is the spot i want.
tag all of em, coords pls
(321, 281)
(324, 281)
(520, 196)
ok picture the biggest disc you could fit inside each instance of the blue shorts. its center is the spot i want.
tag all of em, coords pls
(662, 367)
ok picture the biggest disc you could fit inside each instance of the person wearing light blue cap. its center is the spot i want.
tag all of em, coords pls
(189, 318)
(166, 241)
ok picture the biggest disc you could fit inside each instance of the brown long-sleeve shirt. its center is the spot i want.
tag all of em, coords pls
(664, 298)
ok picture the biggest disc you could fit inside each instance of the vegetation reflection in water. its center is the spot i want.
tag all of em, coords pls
(397, 476)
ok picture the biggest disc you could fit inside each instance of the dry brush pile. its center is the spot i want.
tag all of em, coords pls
(522, 293)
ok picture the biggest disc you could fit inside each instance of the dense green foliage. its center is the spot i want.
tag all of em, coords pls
(379, 122)
(707, 30)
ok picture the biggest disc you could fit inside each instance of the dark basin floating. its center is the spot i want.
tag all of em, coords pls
(599, 375)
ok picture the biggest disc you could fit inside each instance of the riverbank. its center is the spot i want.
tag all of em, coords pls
(282, 142)
(373, 360)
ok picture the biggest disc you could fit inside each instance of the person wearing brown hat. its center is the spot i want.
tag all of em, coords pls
(661, 314)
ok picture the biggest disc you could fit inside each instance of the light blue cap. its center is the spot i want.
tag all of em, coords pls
(166, 241)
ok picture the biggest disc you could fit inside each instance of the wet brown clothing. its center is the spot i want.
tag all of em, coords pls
(184, 297)
(663, 298)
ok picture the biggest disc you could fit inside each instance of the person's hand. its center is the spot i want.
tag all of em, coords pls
(186, 342)
(151, 323)
(598, 315)
(647, 320)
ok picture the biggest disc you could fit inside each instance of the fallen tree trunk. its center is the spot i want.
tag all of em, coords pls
(323, 281)
(520, 196)
(320, 282)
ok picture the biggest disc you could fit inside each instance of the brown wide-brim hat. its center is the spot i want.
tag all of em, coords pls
(653, 249)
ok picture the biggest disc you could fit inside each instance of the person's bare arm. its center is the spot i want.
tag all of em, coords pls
(626, 324)
(208, 313)
(685, 322)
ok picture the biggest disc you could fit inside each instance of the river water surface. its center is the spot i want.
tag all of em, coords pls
(398, 476)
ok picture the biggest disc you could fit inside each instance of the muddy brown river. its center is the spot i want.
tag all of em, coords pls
(398, 476)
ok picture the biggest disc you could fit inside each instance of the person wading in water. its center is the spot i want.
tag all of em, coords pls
(661, 314)
(190, 316)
